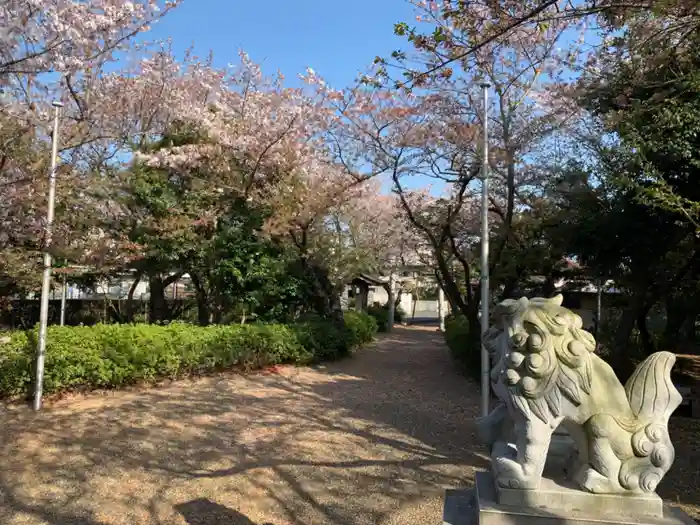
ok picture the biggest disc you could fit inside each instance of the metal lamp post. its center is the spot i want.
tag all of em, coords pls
(390, 304)
(64, 291)
(46, 278)
(485, 375)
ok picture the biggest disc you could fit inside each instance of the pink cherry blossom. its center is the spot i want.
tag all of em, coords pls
(40, 36)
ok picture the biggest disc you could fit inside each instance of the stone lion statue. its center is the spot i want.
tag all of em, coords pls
(545, 373)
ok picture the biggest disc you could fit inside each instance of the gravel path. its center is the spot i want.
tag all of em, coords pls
(370, 440)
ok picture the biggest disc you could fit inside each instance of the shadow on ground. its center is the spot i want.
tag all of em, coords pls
(206, 512)
(374, 439)
(371, 440)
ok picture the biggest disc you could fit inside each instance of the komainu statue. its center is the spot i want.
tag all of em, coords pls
(545, 373)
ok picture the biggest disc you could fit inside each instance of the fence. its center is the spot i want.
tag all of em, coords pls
(24, 313)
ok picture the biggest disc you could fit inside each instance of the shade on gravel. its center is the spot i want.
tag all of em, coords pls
(371, 440)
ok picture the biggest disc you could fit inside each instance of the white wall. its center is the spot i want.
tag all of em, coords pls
(120, 288)
(424, 308)
(379, 295)
(427, 308)
(115, 288)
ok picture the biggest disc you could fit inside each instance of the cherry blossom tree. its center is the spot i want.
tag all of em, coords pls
(368, 232)
(41, 36)
(256, 140)
(375, 223)
(58, 49)
(429, 131)
(659, 24)
(380, 234)
(224, 134)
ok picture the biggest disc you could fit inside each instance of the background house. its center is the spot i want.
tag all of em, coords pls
(415, 284)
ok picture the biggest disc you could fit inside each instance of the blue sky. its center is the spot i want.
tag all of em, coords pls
(336, 38)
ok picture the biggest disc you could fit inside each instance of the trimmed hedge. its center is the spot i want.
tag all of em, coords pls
(111, 355)
(463, 348)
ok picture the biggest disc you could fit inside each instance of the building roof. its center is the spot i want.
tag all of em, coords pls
(373, 281)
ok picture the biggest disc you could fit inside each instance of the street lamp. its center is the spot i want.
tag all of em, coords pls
(46, 278)
(485, 373)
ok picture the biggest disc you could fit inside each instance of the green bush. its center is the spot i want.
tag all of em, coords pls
(110, 356)
(325, 340)
(465, 350)
(381, 314)
(15, 363)
(362, 327)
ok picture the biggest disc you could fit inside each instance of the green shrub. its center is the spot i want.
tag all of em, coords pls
(381, 314)
(15, 363)
(465, 350)
(110, 356)
(324, 339)
(362, 327)
(399, 315)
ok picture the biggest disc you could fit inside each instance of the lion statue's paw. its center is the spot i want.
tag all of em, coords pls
(510, 475)
(593, 481)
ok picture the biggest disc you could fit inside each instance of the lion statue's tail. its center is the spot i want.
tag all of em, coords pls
(652, 398)
(650, 391)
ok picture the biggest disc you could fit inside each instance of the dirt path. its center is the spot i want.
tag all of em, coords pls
(370, 440)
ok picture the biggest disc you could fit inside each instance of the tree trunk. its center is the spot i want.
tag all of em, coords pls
(645, 336)
(157, 306)
(449, 285)
(129, 314)
(327, 301)
(475, 335)
(676, 314)
(620, 358)
(203, 310)
(624, 330)
(397, 300)
(391, 305)
(326, 298)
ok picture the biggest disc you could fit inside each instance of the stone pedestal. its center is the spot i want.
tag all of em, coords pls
(554, 504)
